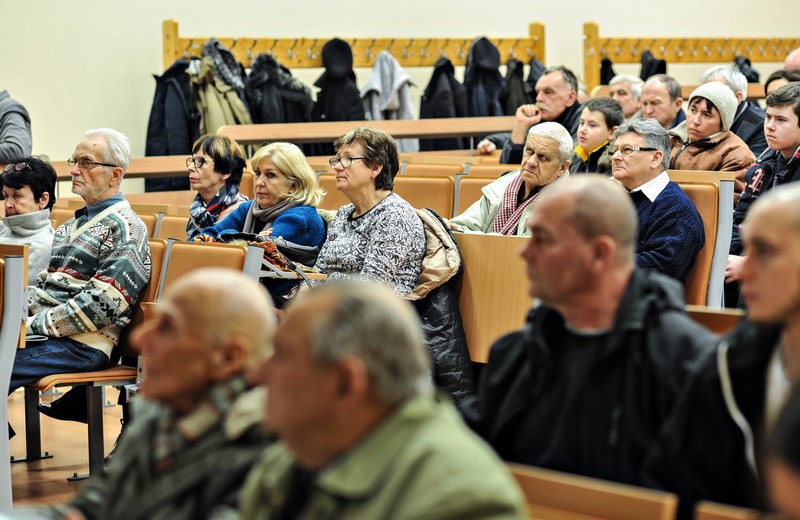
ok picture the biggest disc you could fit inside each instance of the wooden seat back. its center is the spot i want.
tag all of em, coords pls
(172, 226)
(469, 191)
(552, 495)
(182, 257)
(436, 193)
(150, 222)
(61, 215)
(705, 198)
(491, 170)
(434, 170)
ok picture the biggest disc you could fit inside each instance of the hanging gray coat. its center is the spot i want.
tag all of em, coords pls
(387, 95)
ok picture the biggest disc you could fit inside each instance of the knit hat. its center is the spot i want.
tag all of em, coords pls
(723, 98)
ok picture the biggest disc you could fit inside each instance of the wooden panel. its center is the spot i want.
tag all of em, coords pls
(493, 298)
(720, 321)
(552, 495)
(330, 130)
(713, 511)
(187, 256)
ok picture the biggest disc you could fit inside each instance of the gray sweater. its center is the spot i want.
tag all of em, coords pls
(15, 130)
(34, 229)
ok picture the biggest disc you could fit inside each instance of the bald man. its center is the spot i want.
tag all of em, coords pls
(585, 387)
(197, 430)
(733, 404)
(363, 433)
(792, 61)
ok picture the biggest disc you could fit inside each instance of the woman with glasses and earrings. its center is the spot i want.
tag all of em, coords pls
(286, 197)
(378, 235)
(29, 192)
(215, 171)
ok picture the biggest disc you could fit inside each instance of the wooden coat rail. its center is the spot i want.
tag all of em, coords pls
(677, 50)
(306, 52)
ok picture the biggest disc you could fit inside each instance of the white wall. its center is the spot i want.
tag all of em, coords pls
(79, 64)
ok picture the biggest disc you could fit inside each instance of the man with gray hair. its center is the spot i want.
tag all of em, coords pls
(100, 262)
(748, 122)
(556, 100)
(626, 89)
(670, 229)
(587, 385)
(363, 434)
(662, 100)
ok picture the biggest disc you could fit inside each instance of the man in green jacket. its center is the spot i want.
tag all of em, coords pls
(363, 433)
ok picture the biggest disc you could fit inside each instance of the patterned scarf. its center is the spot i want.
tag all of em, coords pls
(266, 215)
(509, 213)
(204, 215)
(176, 433)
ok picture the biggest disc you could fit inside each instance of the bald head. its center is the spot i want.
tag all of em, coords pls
(784, 201)
(792, 61)
(600, 206)
(223, 303)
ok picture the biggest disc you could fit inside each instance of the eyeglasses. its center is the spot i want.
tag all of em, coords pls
(628, 150)
(345, 161)
(20, 166)
(198, 161)
(85, 164)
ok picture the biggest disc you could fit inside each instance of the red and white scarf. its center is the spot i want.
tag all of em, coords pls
(509, 213)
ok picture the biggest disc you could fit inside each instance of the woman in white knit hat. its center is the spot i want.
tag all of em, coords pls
(704, 141)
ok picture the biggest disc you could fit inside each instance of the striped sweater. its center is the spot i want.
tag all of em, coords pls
(96, 273)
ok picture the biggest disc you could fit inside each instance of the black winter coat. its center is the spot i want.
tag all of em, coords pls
(274, 95)
(174, 123)
(443, 97)
(748, 124)
(606, 424)
(760, 178)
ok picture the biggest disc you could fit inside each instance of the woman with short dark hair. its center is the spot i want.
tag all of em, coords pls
(378, 235)
(29, 194)
(215, 171)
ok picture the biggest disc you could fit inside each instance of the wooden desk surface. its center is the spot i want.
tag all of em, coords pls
(329, 131)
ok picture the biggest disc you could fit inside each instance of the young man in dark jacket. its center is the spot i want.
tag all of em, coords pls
(778, 165)
(586, 386)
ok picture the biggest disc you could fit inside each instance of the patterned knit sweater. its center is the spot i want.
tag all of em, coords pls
(95, 275)
(387, 244)
(670, 232)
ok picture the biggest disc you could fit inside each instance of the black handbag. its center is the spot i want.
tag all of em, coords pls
(306, 255)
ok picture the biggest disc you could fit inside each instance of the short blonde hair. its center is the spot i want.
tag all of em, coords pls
(291, 162)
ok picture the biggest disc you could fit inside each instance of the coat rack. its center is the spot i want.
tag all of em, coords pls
(304, 52)
(677, 50)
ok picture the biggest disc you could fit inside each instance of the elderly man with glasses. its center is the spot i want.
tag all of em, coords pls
(100, 262)
(670, 229)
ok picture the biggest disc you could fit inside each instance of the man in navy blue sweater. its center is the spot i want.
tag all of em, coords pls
(670, 229)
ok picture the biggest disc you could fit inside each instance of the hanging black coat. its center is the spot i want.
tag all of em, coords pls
(519, 92)
(274, 95)
(338, 98)
(485, 86)
(444, 97)
(173, 125)
(652, 65)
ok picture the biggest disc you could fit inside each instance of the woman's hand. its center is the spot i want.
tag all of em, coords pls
(733, 269)
(266, 232)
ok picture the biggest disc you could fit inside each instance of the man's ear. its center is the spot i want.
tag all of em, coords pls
(353, 380)
(603, 251)
(658, 157)
(228, 360)
(611, 132)
(573, 97)
(116, 175)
